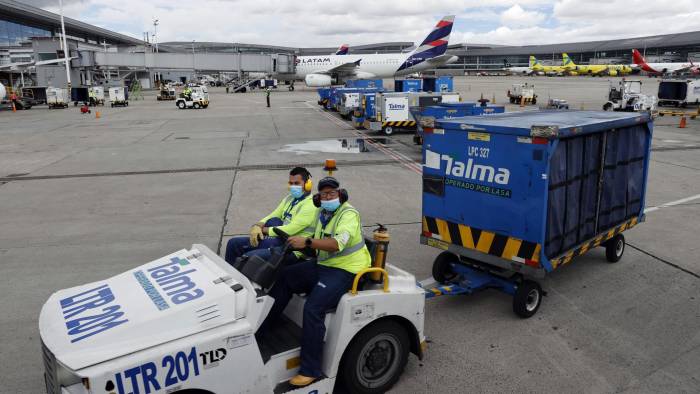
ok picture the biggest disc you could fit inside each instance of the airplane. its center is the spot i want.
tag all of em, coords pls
(663, 68)
(595, 69)
(319, 71)
(343, 50)
(538, 67)
(516, 70)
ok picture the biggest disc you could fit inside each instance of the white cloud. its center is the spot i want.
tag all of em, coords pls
(516, 16)
(322, 23)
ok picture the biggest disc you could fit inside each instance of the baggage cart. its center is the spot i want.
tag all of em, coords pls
(408, 85)
(512, 197)
(392, 110)
(57, 98)
(80, 95)
(449, 111)
(119, 96)
(364, 83)
(98, 95)
(366, 111)
(442, 84)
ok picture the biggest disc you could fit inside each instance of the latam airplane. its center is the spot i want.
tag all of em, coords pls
(663, 68)
(318, 71)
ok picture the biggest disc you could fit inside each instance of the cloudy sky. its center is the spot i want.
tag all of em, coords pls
(333, 22)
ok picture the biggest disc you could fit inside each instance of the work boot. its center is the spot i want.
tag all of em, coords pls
(301, 380)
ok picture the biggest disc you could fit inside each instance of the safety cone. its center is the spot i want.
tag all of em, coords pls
(97, 114)
(683, 122)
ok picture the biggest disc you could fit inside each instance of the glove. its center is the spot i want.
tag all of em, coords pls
(256, 235)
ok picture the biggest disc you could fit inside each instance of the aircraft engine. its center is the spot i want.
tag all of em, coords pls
(318, 80)
(612, 73)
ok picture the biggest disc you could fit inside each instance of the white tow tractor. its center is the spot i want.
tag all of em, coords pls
(198, 99)
(186, 324)
(627, 96)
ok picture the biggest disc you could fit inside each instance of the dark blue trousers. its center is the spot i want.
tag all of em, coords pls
(238, 246)
(324, 287)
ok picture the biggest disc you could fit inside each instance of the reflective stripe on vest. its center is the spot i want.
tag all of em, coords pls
(348, 249)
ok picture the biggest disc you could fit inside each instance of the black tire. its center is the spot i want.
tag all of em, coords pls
(534, 101)
(388, 130)
(527, 299)
(615, 248)
(196, 106)
(375, 358)
(442, 269)
(607, 107)
(181, 104)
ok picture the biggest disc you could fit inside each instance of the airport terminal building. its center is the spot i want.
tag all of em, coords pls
(29, 34)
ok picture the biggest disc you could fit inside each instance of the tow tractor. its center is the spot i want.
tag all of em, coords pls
(167, 92)
(522, 93)
(186, 323)
(628, 97)
(198, 99)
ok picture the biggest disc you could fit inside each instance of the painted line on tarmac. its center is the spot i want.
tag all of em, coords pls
(408, 163)
(672, 203)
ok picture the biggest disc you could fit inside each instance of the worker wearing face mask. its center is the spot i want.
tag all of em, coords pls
(295, 215)
(341, 254)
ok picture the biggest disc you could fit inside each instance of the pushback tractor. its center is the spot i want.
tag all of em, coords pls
(186, 323)
(511, 197)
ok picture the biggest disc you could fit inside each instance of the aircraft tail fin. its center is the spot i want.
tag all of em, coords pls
(434, 45)
(343, 50)
(533, 61)
(566, 60)
(638, 58)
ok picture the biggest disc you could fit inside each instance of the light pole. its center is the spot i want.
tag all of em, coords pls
(155, 34)
(65, 45)
(194, 69)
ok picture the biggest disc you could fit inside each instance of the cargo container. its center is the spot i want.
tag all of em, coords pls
(511, 197)
(679, 93)
(119, 96)
(57, 98)
(364, 83)
(366, 111)
(442, 84)
(392, 110)
(324, 95)
(98, 95)
(351, 101)
(79, 95)
(408, 85)
(35, 93)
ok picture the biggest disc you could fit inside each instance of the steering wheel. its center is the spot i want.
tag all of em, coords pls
(308, 251)
(281, 235)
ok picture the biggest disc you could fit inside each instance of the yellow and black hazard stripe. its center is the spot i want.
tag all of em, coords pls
(400, 123)
(593, 243)
(488, 242)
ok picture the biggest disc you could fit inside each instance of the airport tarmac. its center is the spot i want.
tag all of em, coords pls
(82, 199)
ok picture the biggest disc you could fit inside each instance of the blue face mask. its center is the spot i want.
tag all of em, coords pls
(330, 205)
(296, 191)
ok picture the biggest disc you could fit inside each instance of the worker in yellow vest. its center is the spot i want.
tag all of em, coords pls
(341, 253)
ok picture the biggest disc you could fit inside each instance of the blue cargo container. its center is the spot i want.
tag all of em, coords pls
(514, 196)
(407, 85)
(364, 83)
(367, 110)
(442, 84)
(323, 96)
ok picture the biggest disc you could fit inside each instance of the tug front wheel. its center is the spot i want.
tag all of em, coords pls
(375, 359)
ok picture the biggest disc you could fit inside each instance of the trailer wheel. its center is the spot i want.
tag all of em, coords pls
(527, 298)
(388, 131)
(615, 248)
(442, 267)
(607, 107)
(375, 359)
(181, 104)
